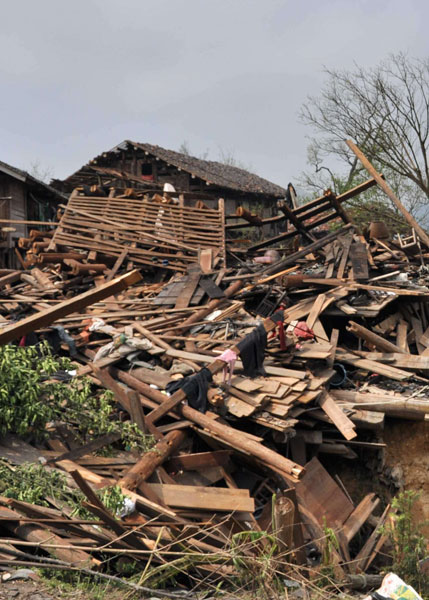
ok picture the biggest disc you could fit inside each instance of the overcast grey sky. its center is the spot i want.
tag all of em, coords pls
(78, 77)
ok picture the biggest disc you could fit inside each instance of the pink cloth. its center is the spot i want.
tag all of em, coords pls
(229, 357)
(303, 331)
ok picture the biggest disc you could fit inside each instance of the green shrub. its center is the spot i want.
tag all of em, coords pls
(34, 483)
(409, 545)
(30, 399)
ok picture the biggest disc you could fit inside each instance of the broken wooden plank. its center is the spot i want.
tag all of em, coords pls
(189, 288)
(337, 416)
(358, 257)
(199, 460)
(359, 516)
(371, 365)
(360, 562)
(322, 497)
(205, 498)
(50, 315)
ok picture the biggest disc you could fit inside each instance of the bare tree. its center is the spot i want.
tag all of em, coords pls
(40, 172)
(385, 110)
(227, 157)
(184, 148)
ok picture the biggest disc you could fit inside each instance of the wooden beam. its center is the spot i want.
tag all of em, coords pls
(372, 338)
(315, 206)
(23, 222)
(152, 459)
(118, 263)
(50, 315)
(389, 192)
(292, 258)
(300, 227)
(10, 278)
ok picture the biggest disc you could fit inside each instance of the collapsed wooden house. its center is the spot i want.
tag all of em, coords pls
(22, 198)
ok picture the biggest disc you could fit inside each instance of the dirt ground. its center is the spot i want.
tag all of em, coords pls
(27, 590)
(408, 448)
(405, 462)
(38, 590)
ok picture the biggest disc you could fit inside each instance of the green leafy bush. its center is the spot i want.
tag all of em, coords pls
(30, 399)
(409, 545)
(34, 483)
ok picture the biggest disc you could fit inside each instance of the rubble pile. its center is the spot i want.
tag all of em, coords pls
(243, 369)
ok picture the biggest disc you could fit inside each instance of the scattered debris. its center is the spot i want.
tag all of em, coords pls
(243, 372)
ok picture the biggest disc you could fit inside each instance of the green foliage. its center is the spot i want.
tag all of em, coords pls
(255, 556)
(409, 545)
(29, 400)
(365, 210)
(330, 545)
(22, 390)
(34, 483)
(31, 483)
(252, 537)
(112, 498)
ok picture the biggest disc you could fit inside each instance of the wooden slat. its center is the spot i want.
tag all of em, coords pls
(205, 498)
(337, 416)
(107, 225)
(359, 260)
(359, 516)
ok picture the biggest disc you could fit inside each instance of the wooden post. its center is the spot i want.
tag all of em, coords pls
(248, 216)
(232, 436)
(372, 338)
(284, 519)
(152, 459)
(389, 192)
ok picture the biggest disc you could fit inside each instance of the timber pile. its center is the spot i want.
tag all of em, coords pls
(347, 325)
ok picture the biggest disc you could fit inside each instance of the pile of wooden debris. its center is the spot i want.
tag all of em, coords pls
(245, 375)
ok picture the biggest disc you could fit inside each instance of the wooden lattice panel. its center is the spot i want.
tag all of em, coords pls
(154, 233)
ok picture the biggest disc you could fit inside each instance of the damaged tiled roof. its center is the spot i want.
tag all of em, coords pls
(215, 172)
(29, 179)
(210, 171)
